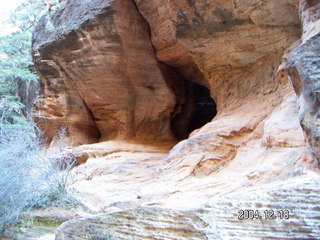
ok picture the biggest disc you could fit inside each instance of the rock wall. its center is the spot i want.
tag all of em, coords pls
(100, 75)
(120, 74)
(233, 48)
(294, 217)
(216, 43)
(302, 69)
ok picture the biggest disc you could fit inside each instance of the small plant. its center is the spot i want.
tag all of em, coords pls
(29, 177)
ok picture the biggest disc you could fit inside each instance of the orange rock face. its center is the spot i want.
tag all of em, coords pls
(214, 43)
(233, 48)
(101, 78)
(130, 71)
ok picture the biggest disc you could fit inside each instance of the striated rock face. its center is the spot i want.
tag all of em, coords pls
(289, 216)
(303, 70)
(233, 48)
(100, 74)
(128, 75)
(215, 43)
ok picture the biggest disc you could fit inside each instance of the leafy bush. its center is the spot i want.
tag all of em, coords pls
(17, 74)
(29, 178)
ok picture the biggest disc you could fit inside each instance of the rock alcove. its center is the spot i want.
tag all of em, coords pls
(205, 108)
(106, 78)
(143, 101)
(128, 71)
(197, 110)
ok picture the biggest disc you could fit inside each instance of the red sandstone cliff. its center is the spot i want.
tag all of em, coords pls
(123, 75)
(101, 78)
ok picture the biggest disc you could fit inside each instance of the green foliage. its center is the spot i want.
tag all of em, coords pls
(16, 59)
(47, 222)
(26, 16)
(28, 177)
(10, 114)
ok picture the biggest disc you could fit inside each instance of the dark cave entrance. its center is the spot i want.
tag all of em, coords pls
(205, 108)
(195, 110)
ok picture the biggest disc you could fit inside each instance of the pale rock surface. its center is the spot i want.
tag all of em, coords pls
(145, 174)
(217, 219)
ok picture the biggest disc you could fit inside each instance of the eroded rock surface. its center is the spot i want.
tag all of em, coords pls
(105, 78)
(101, 78)
(216, 43)
(233, 48)
(290, 215)
(303, 70)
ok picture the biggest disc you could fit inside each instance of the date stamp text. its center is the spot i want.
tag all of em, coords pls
(250, 214)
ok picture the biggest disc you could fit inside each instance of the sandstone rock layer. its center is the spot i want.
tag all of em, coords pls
(233, 48)
(121, 74)
(290, 216)
(101, 78)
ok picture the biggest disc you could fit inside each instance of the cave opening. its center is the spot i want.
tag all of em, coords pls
(195, 110)
(205, 108)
